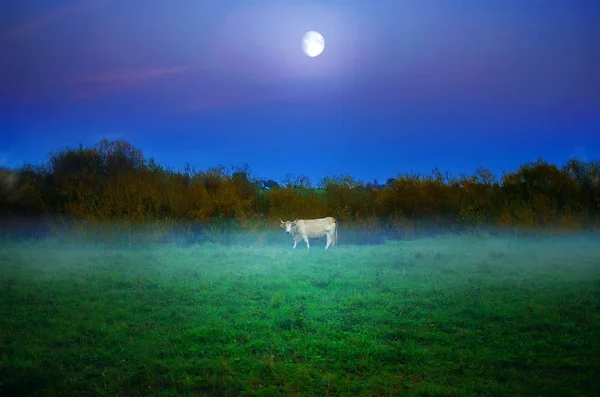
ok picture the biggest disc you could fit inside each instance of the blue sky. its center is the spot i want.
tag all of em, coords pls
(402, 86)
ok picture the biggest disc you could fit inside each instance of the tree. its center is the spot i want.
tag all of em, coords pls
(120, 156)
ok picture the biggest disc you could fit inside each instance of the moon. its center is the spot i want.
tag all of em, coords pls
(313, 43)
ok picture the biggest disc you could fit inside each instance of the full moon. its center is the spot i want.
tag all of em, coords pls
(313, 43)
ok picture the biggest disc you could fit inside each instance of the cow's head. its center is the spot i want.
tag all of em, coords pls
(288, 225)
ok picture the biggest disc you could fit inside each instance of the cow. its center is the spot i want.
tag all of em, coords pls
(303, 229)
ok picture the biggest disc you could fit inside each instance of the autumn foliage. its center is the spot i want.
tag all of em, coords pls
(112, 183)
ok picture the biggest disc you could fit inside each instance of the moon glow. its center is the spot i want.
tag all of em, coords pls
(313, 43)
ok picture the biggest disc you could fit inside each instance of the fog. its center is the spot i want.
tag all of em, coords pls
(492, 249)
(184, 307)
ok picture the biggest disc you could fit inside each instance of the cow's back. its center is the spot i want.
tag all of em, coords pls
(315, 228)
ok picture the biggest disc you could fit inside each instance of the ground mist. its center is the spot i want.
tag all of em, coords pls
(445, 315)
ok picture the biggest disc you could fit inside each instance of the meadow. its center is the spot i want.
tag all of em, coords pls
(450, 315)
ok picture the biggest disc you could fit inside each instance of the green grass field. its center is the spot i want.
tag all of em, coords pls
(444, 316)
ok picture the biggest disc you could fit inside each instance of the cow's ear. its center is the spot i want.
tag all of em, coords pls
(282, 224)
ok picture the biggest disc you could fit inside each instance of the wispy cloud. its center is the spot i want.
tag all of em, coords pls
(127, 76)
(117, 81)
(50, 18)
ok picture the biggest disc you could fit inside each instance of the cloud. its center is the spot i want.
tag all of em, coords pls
(127, 76)
(50, 18)
(117, 81)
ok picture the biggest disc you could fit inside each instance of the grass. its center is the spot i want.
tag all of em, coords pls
(446, 316)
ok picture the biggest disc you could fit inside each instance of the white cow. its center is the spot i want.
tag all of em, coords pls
(303, 229)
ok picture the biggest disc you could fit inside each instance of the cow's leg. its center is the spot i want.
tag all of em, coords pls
(295, 243)
(328, 241)
(307, 244)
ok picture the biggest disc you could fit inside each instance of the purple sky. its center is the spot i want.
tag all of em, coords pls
(402, 86)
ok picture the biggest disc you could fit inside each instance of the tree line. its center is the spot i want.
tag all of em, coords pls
(113, 182)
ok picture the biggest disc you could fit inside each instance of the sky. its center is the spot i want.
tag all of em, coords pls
(402, 86)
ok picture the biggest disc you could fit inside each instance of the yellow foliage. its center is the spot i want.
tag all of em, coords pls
(113, 182)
